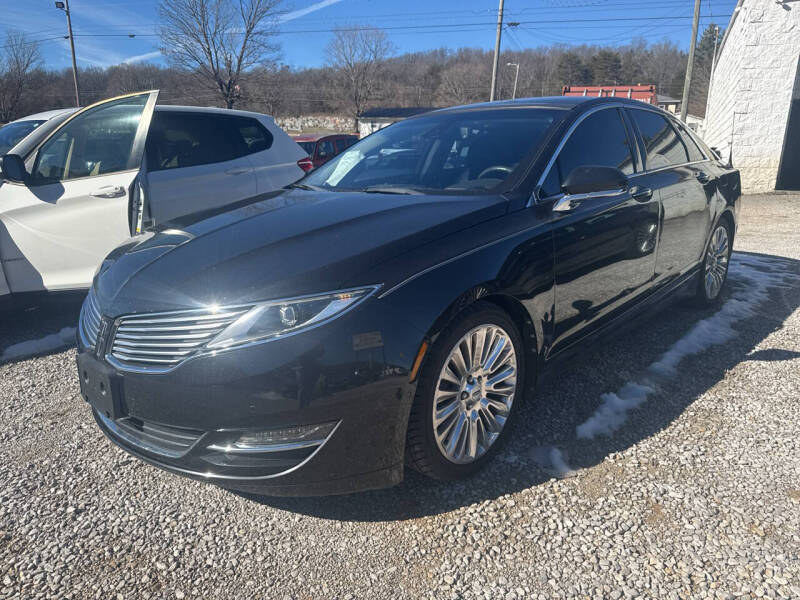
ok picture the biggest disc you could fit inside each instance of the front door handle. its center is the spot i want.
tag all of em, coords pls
(641, 194)
(109, 191)
(239, 171)
(702, 177)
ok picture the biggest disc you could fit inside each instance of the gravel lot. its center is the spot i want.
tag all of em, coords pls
(696, 495)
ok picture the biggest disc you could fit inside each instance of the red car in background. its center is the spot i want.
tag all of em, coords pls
(322, 147)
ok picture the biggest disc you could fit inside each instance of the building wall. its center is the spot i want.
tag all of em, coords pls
(317, 122)
(752, 89)
(367, 127)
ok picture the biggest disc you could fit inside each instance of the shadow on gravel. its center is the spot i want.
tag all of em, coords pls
(571, 397)
(36, 317)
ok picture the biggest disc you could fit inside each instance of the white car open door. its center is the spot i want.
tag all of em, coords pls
(71, 207)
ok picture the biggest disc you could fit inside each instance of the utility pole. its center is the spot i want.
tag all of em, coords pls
(497, 51)
(65, 7)
(687, 83)
(516, 78)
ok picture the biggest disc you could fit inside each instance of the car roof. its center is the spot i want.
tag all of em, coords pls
(208, 109)
(560, 102)
(46, 115)
(315, 137)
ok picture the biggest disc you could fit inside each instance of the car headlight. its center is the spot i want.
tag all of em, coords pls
(276, 318)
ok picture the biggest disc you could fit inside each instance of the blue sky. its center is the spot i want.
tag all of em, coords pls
(102, 28)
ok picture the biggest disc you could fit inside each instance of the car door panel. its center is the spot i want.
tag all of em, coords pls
(57, 227)
(54, 236)
(178, 192)
(196, 161)
(605, 259)
(685, 199)
(605, 243)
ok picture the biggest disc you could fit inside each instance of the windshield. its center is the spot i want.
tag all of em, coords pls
(450, 151)
(13, 132)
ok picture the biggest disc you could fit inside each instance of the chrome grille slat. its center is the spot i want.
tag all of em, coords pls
(187, 336)
(199, 318)
(161, 341)
(196, 327)
(89, 321)
(133, 344)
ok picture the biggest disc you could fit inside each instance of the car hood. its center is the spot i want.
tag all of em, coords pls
(279, 245)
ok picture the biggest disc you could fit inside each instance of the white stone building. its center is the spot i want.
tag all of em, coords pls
(753, 114)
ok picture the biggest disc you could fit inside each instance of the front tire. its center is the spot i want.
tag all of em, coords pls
(469, 391)
(714, 271)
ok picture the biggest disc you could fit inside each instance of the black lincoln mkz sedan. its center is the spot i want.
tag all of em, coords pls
(397, 305)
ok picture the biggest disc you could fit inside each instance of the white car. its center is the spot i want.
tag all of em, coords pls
(14, 132)
(69, 197)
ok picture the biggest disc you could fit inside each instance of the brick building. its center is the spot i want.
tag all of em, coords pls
(753, 114)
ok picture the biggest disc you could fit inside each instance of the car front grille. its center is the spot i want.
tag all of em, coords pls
(161, 341)
(164, 440)
(89, 321)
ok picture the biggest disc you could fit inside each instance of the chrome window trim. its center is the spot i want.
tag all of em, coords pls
(535, 199)
(605, 106)
(563, 202)
(669, 117)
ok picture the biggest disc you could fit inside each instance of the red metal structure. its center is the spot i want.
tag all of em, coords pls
(645, 93)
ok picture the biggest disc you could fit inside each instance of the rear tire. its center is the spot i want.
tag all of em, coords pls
(476, 401)
(714, 270)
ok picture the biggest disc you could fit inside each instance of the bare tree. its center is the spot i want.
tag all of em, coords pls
(19, 59)
(357, 55)
(462, 83)
(219, 40)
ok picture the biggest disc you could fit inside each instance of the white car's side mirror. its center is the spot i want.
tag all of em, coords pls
(13, 168)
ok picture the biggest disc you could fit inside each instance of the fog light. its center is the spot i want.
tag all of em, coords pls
(278, 440)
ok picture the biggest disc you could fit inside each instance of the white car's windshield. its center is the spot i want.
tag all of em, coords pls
(14, 132)
(474, 151)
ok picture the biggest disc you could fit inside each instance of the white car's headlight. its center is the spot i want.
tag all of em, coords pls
(276, 318)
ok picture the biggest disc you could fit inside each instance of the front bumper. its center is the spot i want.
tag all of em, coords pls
(183, 421)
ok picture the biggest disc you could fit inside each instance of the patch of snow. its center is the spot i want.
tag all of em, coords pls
(552, 461)
(750, 279)
(614, 409)
(49, 343)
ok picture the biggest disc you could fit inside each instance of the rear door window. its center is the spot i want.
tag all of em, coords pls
(663, 147)
(254, 135)
(341, 145)
(325, 149)
(695, 154)
(180, 140)
(601, 139)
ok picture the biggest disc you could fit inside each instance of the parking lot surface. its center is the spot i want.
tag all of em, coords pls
(664, 464)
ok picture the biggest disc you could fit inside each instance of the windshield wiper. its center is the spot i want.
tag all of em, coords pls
(391, 190)
(304, 186)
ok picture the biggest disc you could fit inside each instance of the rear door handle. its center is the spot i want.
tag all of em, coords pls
(641, 194)
(702, 177)
(239, 171)
(109, 191)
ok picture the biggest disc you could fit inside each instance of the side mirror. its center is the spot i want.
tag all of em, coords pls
(13, 168)
(588, 179)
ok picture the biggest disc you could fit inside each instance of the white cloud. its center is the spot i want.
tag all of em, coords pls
(302, 12)
(141, 57)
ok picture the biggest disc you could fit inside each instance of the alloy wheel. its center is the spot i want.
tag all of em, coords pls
(716, 267)
(474, 393)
